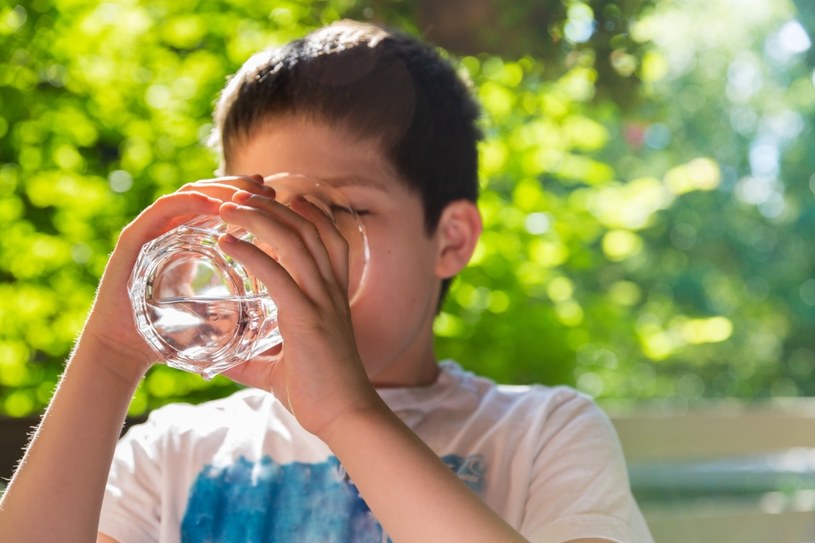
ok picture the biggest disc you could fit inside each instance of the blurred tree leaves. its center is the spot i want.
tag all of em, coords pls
(648, 192)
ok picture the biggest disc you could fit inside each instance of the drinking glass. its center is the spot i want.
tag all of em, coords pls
(203, 311)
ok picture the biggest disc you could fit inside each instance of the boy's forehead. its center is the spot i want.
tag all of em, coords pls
(321, 150)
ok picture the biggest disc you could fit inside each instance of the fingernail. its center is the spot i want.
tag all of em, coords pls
(241, 196)
(228, 239)
(257, 178)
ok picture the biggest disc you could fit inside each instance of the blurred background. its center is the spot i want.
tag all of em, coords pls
(649, 204)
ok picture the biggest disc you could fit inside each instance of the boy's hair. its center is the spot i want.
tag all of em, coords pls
(378, 85)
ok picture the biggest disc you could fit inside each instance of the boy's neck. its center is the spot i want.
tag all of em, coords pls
(420, 373)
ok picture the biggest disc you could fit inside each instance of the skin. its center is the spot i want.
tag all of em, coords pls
(333, 353)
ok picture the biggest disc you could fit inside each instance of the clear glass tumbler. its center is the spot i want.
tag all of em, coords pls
(202, 311)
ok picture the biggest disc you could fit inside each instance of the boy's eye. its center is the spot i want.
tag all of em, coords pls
(336, 208)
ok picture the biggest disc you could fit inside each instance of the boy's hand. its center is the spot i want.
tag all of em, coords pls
(111, 323)
(318, 374)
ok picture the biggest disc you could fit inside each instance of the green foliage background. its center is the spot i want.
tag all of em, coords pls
(648, 194)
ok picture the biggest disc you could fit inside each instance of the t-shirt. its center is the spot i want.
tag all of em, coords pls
(242, 469)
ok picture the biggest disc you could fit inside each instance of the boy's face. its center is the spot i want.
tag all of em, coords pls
(394, 310)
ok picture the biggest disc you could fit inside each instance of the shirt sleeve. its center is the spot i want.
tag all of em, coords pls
(579, 487)
(131, 508)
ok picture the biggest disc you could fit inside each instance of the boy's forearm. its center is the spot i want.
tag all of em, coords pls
(64, 470)
(411, 491)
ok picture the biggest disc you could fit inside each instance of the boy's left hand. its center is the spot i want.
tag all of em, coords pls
(318, 373)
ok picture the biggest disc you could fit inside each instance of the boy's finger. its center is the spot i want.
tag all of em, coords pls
(281, 285)
(163, 215)
(294, 241)
(167, 212)
(333, 240)
(256, 179)
(225, 187)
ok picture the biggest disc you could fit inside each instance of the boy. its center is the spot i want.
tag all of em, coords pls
(355, 432)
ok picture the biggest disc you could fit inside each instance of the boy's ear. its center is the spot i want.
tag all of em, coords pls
(457, 232)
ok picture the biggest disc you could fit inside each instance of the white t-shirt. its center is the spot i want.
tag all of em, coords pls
(242, 469)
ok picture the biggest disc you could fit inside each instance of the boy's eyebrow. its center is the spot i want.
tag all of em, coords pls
(355, 180)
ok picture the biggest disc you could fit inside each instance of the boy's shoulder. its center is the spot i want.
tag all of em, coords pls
(470, 413)
(246, 407)
(243, 399)
(462, 394)
(554, 396)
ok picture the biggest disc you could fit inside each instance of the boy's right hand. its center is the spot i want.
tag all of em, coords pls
(111, 324)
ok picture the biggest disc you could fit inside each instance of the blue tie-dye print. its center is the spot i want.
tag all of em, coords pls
(471, 470)
(269, 502)
(248, 502)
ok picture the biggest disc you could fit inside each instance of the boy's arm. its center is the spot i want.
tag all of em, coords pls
(320, 378)
(56, 493)
(57, 490)
(413, 494)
